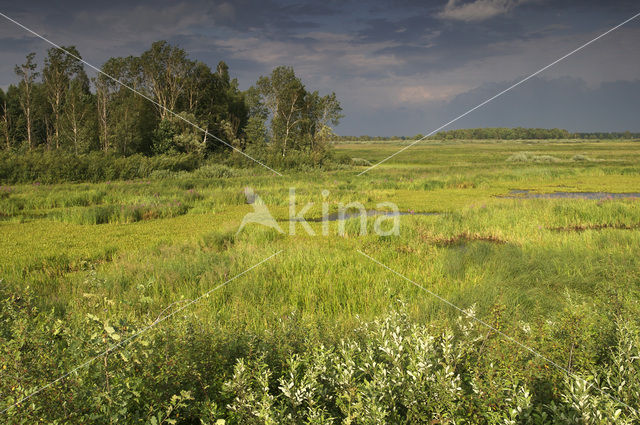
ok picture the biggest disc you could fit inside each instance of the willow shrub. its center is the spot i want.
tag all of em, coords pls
(388, 371)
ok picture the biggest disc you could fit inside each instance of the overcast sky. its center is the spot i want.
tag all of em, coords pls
(398, 67)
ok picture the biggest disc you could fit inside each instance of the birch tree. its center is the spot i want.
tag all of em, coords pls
(165, 69)
(299, 119)
(104, 90)
(321, 112)
(28, 74)
(59, 69)
(76, 111)
(4, 123)
(283, 95)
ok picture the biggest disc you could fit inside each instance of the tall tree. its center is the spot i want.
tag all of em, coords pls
(299, 119)
(4, 123)
(283, 95)
(103, 89)
(127, 120)
(15, 114)
(55, 110)
(77, 108)
(28, 74)
(236, 110)
(165, 69)
(321, 112)
(216, 102)
(59, 69)
(256, 127)
(122, 101)
(107, 89)
(195, 83)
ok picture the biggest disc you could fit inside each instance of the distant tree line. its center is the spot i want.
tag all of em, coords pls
(504, 133)
(56, 107)
(528, 133)
(366, 138)
(613, 135)
(499, 133)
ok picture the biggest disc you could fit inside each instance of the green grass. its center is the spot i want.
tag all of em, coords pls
(123, 251)
(122, 224)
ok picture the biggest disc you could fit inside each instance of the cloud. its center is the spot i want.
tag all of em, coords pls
(313, 54)
(564, 102)
(478, 10)
(395, 64)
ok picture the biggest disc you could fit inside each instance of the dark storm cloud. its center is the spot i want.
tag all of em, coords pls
(551, 103)
(392, 62)
(432, 45)
(149, 16)
(563, 102)
(17, 45)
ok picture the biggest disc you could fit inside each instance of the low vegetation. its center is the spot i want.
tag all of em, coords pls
(532, 157)
(529, 157)
(319, 333)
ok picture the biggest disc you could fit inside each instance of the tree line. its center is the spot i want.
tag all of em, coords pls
(504, 133)
(528, 133)
(499, 133)
(57, 107)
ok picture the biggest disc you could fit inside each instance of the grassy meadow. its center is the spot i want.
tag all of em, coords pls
(319, 333)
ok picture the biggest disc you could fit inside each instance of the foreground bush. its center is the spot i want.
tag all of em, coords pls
(394, 372)
(387, 371)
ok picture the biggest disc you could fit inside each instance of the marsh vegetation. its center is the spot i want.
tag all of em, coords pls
(319, 333)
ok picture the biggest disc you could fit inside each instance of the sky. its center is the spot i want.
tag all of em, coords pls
(399, 67)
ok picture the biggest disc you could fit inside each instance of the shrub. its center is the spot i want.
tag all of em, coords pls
(215, 171)
(56, 167)
(530, 157)
(392, 371)
(360, 162)
(342, 158)
(387, 371)
(580, 158)
(162, 174)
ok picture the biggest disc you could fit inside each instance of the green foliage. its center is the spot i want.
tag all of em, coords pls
(299, 119)
(215, 171)
(504, 133)
(177, 135)
(360, 162)
(390, 370)
(256, 130)
(50, 167)
(166, 104)
(163, 138)
(100, 214)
